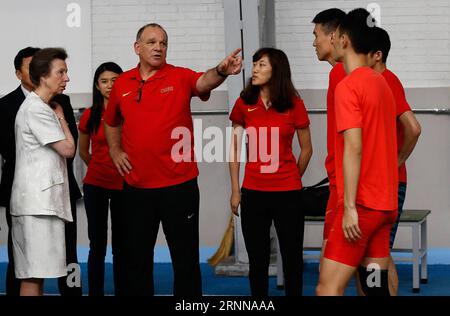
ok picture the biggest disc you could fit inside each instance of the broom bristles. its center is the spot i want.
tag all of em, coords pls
(224, 249)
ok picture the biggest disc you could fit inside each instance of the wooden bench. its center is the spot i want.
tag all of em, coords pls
(415, 219)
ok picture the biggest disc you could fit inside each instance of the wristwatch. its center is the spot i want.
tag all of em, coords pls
(219, 73)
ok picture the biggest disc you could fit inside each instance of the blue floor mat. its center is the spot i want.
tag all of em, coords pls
(438, 281)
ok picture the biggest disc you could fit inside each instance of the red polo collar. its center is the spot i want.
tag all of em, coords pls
(161, 73)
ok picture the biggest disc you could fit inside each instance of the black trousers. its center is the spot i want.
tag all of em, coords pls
(258, 210)
(97, 202)
(177, 208)
(13, 284)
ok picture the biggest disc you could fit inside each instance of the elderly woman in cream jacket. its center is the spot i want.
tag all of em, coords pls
(40, 202)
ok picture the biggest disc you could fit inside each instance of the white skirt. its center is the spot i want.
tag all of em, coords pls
(39, 247)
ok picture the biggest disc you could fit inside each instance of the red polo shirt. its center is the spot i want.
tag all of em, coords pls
(364, 100)
(150, 124)
(281, 175)
(101, 170)
(337, 73)
(401, 107)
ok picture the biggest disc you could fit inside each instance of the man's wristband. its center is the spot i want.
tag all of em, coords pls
(219, 73)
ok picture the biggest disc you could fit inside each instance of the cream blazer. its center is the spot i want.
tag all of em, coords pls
(40, 184)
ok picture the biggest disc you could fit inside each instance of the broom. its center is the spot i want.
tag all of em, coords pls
(225, 246)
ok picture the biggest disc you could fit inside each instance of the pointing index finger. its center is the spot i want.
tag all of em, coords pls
(235, 52)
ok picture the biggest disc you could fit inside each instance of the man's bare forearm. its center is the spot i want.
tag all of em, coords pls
(112, 134)
(412, 130)
(209, 81)
(351, 165)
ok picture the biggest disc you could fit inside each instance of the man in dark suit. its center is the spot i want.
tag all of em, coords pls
(9, 105)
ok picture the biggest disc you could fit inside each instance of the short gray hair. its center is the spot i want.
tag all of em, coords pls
(141, 30)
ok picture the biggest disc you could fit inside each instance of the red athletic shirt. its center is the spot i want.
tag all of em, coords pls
(150, 126)
(364, 100)
(101, 170)
(401, 107)
(258, 122)
(336, 75)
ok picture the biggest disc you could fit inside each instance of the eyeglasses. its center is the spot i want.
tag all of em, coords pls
(139, 94)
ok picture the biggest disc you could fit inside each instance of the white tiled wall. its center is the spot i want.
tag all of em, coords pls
(195, 29)
(419, 32)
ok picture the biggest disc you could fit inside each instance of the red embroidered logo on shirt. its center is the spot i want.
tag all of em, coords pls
(167, 89)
